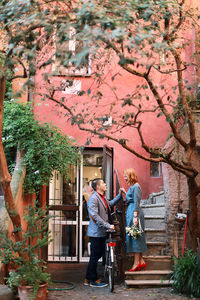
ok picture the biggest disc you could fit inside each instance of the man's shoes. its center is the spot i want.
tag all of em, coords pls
(86, 282)
(98, 283)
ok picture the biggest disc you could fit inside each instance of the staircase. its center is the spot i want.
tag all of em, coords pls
(159, 264)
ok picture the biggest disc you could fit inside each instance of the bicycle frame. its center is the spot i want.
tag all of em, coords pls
(110, 260)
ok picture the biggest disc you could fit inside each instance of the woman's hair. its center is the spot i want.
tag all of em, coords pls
(131, 175)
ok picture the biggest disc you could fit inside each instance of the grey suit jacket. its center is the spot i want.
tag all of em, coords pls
(99, 215)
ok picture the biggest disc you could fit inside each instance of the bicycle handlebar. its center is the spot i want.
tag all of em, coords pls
(111, 230)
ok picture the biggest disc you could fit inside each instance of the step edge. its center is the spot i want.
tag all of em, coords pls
(152, 205)
(156, 243)
(150, 272)
(157, 257)
(154, 217)
(148, 282)
(154, 229)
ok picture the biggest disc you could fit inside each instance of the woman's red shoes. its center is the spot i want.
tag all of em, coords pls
(143, 266)
(137, 268)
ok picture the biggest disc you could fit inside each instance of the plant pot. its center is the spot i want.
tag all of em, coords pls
(25, 292)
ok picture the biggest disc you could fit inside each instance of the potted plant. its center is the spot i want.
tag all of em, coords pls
(27, 270)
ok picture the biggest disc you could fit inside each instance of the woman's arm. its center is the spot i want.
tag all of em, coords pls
(137, 197)
(137, 193)
(115, 200)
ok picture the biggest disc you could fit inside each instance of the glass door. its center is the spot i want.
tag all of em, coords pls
(63, 201)
(91, 168)
(68, 204)
(96, 163)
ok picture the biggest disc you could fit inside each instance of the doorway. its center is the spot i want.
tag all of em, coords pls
(68, 200)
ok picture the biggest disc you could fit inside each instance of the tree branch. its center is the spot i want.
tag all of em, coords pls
(186, 170)
(165, 112)
(24, 69)
(169, 71)
(181, 19)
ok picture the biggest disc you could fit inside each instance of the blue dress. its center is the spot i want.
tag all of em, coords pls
(133, 197)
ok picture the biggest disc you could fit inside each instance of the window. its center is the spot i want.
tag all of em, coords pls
(70, 47)
(155, 168)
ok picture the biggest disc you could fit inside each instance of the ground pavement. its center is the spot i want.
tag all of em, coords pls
(76, 273)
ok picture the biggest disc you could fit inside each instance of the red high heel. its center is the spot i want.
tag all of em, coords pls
(137, 268)
(143, 266)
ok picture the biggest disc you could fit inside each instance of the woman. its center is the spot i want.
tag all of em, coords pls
(133, 215)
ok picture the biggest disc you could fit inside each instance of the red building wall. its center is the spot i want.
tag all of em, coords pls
(155, 130)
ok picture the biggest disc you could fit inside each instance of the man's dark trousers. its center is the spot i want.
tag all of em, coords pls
(97, 249)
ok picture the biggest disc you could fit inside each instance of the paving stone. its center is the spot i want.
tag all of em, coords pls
(6, 293)
(76, 274)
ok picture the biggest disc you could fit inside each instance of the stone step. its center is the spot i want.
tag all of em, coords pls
(158, 198)
(155, 223)
(158, 262)
(6, 293)
(154, 262)
(147, 283)
(155, 235)
(154, 210)
(149, 275)
(156, 248)
(150, 217)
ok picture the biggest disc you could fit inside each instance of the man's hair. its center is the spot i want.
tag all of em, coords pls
(95, 182)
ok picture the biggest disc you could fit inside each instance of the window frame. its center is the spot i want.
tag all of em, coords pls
(72, 71)
(159, 168)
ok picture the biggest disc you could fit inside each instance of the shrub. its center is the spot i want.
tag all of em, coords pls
(186, 275)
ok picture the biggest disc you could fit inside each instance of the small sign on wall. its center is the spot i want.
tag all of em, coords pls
(71, 87)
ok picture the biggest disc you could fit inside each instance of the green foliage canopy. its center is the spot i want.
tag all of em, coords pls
(45, 147)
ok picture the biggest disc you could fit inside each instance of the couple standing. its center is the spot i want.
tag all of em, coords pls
(99, 213)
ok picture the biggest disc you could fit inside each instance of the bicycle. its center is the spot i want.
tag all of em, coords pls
(110, 260)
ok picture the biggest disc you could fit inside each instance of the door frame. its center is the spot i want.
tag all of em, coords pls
(79, 223)
(108, 151)
(74, 208)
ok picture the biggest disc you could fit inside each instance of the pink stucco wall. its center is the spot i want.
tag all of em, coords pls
(155, 130)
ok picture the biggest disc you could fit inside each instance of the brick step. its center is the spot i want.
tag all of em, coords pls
(147, 283)
(149, 275)
(155, 235)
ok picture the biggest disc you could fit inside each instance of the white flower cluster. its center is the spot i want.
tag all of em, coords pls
(133, 231)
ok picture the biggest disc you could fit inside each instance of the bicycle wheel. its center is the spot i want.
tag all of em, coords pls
(111, 273)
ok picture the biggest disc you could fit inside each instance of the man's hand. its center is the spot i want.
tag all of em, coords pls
(112, 227)
(122, 191)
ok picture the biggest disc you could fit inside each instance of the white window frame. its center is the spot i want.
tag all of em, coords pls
(70, 71)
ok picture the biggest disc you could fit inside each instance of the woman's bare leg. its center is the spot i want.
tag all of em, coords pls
(136, 260)
(141, 259)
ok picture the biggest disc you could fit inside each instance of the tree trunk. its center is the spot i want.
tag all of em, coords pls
(193, 211)
(5, 177)
(16, 187)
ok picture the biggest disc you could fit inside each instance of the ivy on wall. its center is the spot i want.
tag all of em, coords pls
(45, 147)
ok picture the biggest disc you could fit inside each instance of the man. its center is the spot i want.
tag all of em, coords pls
(99, 212)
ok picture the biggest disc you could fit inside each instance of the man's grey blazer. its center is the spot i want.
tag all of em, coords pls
(98, 215)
